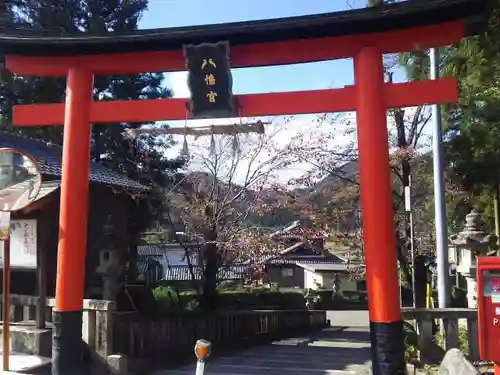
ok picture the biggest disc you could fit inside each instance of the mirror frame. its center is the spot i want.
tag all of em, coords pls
(38, 170)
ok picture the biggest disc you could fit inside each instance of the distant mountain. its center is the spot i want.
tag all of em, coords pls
(334, 193)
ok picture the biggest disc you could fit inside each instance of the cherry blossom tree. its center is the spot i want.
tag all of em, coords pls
(328, 191)
(227, 183)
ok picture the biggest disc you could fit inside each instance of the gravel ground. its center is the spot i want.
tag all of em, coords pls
(483, 369)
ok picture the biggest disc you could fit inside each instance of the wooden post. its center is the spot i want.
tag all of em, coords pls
(6, 304)
(41, 274)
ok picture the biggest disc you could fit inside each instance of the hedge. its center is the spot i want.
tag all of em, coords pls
(351, 300)
(168, 299)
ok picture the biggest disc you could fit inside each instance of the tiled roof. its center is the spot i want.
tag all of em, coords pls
(150, 269)
(155, 267)
(278, 261)
(295, 232)
(299, 236)
(182, 273)
(160, 249)
(303, 253)
(293, 248)
(322, 266)
(49, 156)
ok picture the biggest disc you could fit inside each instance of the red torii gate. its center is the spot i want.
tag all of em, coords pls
(364, 35)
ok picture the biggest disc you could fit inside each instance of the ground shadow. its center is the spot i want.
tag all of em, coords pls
(92, 364)
(318, 353)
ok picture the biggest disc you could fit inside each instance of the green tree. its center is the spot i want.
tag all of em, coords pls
(109, 146)
(473, 135)
(7, 19)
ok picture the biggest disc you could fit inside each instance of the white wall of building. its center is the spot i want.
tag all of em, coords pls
(312, 280)
(6, 169)
(178, 258)
(325, 280)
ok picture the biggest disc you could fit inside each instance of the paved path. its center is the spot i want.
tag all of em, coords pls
(19, 362)
(333, 351)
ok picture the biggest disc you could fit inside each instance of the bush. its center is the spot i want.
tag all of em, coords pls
(458, 297)
(463, 340)
(350, 300)
(261, 300)
(169, 300)
(258, 297)
(412, 339)
(229, 285)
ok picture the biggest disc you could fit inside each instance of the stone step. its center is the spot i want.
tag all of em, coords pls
(26, 338)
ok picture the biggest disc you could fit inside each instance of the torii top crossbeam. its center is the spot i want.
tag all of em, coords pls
(404, 15)
(400, 27)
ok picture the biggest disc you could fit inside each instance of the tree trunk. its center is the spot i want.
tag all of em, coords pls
(374, 3)
(210, 257)
(405, 181)
(133, 242)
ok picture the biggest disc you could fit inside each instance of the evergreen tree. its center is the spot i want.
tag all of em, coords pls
(6, 21)
(109, 146)
(473, 136)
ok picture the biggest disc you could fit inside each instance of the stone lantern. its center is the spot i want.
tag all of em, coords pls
(111, 267)
(471, 242)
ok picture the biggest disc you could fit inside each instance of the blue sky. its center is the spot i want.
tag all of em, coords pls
(313, 76)
(338, 73)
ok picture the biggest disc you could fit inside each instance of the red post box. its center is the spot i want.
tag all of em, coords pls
(488, 295)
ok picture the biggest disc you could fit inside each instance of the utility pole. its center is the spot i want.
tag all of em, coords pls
(439, 194)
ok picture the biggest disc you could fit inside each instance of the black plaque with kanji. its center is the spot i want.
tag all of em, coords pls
(209, 80)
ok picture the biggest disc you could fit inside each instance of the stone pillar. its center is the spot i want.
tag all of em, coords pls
(111, 267)
(471, 291)
(111, 270)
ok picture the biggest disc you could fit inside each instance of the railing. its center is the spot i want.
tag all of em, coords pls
(455, 322)
(24, 308)
(107, 331)
(97, 316)
(173, 336)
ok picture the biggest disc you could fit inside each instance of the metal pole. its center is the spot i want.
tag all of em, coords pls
(412, 246)
(202, 350)
(200, 367)
(439, 196)
(409, 209)
(400, 286)
(6, 304)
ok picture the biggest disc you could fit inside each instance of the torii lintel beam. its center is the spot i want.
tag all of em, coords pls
(254, 105)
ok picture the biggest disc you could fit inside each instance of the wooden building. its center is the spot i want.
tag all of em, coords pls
(304, 263)
(110, 209)
(167, 263)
